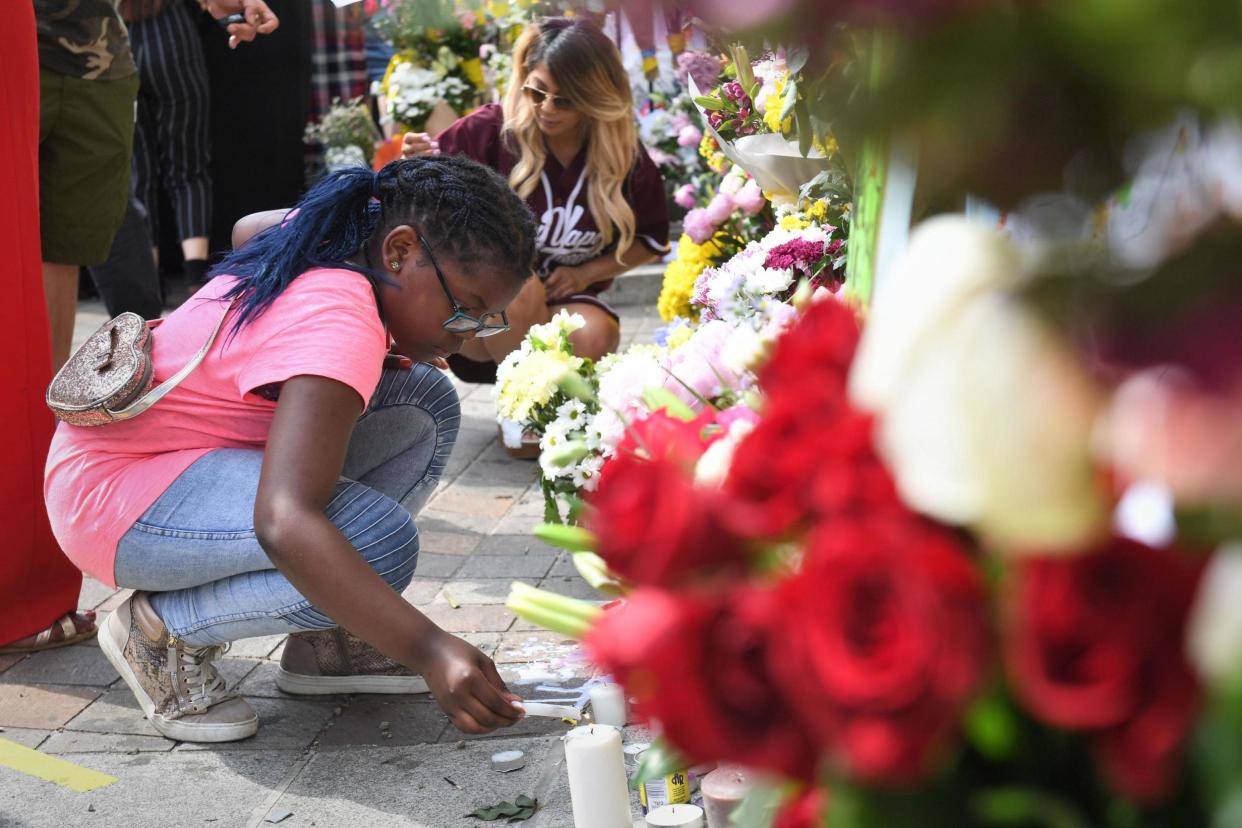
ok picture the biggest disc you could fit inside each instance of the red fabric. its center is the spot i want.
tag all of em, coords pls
(37, 582)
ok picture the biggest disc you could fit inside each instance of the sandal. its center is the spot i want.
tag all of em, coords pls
(70, 633)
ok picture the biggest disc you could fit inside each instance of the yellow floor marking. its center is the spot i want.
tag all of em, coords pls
(33, 763)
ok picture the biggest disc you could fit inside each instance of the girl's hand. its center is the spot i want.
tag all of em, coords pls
(467, 687)
(418, 143)
(564, 282)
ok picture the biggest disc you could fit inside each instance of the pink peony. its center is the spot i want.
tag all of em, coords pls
(689, 136)
(750, 198)
(684, 196)
(704, 68)
(720, 208)
(698, 226)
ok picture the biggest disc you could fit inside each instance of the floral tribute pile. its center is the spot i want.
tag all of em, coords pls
(785, 609)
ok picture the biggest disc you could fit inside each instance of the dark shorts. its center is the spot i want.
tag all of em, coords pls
(469, 370)
(86, 139)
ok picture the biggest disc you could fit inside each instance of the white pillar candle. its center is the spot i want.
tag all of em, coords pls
(723, 790)
(608, 704)
(598, 789)
(675, 816)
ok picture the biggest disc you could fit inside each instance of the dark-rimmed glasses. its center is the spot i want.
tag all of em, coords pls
(462, 323)
(538, 96)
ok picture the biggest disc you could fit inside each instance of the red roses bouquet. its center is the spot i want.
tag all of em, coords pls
(788, 612)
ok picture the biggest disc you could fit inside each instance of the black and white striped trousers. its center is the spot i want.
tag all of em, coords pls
(172, 147)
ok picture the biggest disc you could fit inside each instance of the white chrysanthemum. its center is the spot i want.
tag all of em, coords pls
(573, 412)
(549, 333)
(585, 475)
(555, 437)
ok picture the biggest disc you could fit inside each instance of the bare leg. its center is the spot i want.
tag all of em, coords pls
(600, 336)
(195, 248)
(529, 308)
(60, 289)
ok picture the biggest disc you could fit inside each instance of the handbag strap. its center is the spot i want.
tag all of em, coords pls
(156, 394)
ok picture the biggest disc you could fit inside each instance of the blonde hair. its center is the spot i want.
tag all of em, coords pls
(587, 68)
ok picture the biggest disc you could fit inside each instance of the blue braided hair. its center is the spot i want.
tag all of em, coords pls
(464, 210)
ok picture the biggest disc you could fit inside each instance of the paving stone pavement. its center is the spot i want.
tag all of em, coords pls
(333, 760)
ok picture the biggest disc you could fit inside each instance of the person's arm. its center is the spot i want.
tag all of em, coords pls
(301, 465)
(568, 280)
(247, 227)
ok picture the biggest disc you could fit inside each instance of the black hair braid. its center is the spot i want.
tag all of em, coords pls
(463, 209)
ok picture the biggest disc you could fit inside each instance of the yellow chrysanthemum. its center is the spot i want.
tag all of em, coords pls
(818, 211)
(828, 147)
(793, 223)
(710, 150)
(531, 381)
(680, 276)
(772, 110)
(680, 336)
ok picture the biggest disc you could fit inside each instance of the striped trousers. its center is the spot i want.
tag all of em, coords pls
(172, 149)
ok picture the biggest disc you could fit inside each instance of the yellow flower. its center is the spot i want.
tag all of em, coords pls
(530, 381)
(772, 110)
(828, 147)
(710, 150)
(793, 223)
(473, 70)
(818, 211)
(680, 337)
(680, 276)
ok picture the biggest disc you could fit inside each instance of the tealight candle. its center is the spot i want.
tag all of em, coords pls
(598, 790)
(675, 816)
(608, 704)
(723, 790)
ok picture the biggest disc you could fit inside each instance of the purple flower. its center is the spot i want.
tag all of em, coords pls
(715, 118)
(734, 92)
(799, 255)
(698, 226)
(703, 68)
(684, 196)
(689, 136)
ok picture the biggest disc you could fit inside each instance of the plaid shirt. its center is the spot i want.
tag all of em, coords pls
(338, 58)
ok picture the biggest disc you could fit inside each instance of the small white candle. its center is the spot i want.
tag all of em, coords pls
(675, 816)
(598, 789)
(608, 704)
(723, 790)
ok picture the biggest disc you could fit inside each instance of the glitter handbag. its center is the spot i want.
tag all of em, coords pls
(110, 377)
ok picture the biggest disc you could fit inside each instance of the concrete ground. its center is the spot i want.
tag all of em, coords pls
(330, 761)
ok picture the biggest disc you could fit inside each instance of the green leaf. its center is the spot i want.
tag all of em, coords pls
(518, 811)
(790, 100)
(551, 512)
(758, 808)
(575, 386)
(596, 573)
(573, 538)
(753, 91)
(656, 761)
(570, 453)
(992, 726)
(1024, 806)
(657, 398)
(710, 104)
(806, 134)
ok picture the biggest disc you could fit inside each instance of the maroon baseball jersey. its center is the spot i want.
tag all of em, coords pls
(567, 234)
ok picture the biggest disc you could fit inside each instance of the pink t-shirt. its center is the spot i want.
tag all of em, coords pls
(100, 480)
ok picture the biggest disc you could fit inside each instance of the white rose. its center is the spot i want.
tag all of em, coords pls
(984, 414)
(1214, 634)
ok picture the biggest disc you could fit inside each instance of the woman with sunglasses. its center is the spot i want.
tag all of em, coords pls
(273, 490)
(565, 139)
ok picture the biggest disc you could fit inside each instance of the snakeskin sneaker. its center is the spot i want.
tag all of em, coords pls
(176, 685)
(336, 661)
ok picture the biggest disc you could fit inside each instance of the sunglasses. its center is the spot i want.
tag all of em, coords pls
(538, 96)
(460, 322)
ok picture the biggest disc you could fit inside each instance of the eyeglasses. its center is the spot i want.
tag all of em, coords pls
(460, 322)
(538, 96)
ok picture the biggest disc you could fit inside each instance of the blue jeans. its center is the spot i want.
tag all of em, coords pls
(195, 549)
